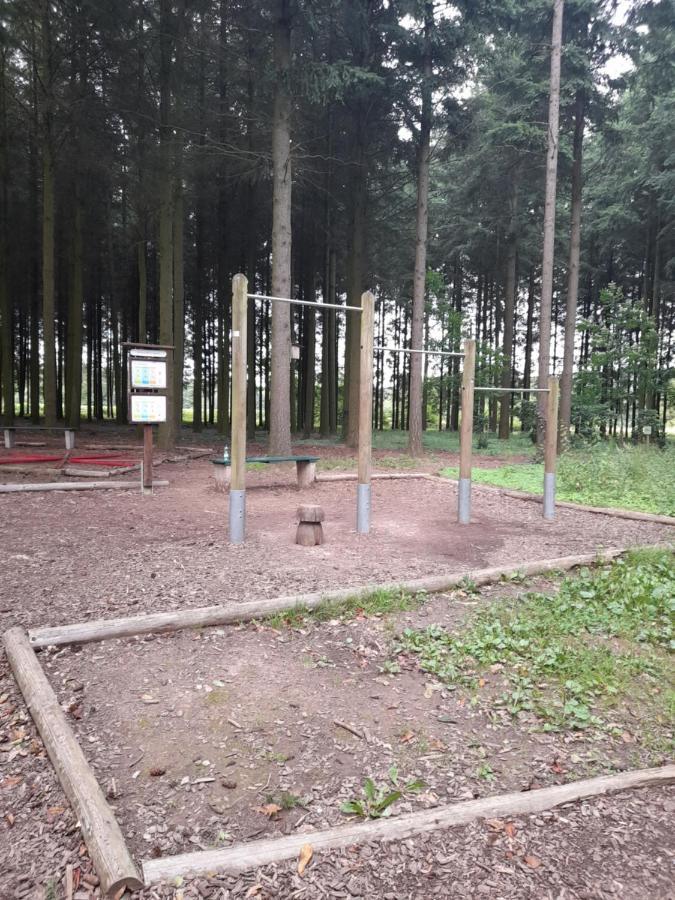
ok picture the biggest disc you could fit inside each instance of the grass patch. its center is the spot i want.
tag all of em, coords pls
(518, 444)
(640, 478)
(378, 603)
(570, 657)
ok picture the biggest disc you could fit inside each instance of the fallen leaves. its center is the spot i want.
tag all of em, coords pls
(407, 737)
(11, 781)
(306, 854)
(532, 861)
(269, 809)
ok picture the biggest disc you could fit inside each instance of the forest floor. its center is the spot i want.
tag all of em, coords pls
(242, 727)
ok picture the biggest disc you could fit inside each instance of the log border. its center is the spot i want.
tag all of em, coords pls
(102, 835)
(112, 859)
(240, 857)
(234, 612)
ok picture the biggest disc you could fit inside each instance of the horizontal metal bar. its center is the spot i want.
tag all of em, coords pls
(410, 350)
(514, 390)
(305, 303)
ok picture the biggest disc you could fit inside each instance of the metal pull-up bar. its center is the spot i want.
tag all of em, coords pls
(410, 350)
(306, 303)
(512, 390)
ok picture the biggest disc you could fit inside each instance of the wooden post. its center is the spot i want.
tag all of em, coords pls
(466, 434)
(102, 835)
(365, 414)
(550, 448)
(238, 452)
(147, 459)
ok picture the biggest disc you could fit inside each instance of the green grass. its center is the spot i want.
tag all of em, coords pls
(448, 442)
(379, 603)
(570, 657)
(640, 478)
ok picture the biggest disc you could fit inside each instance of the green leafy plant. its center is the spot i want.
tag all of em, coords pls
(558, 654)
(377, 799)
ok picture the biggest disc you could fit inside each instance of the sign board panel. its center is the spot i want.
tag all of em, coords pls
(148, 373)
(148, 409)
(647, 429)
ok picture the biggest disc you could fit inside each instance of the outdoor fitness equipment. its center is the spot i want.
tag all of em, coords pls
(237, 495)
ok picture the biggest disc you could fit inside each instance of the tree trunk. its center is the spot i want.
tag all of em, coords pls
(509, 309)
(280, 423)
(6, 305)
(74, 341)
(419, 274)
(48, 226)
(167, 431)
(573, 273)
(549, 217)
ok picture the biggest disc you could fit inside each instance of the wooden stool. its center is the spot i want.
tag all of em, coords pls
(310, 531)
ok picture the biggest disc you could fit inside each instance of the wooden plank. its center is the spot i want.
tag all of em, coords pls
(239, 326)
(634, 514)
(234, 612)
(147, 457)
(102, 835)
(550, 448)
(366, 388)
(466, 423)
(232, 860)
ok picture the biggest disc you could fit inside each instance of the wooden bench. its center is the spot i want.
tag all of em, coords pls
(10, 433)
(305, 468)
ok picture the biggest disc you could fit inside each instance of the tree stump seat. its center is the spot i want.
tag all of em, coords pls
(310, 530)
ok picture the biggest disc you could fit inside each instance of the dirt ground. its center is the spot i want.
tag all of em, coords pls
(202, 730)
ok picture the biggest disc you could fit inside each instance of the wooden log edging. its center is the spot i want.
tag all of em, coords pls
(233, 612)
(82, 486)
(102, 835)
(614, 511)
(232, 860)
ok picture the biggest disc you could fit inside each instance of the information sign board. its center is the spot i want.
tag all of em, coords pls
(148, 409)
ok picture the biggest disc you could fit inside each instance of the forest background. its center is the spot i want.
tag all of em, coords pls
(150, 150)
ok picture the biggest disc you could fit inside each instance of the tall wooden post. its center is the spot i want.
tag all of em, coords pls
(237, 519)
(365, 414)
(466, 434)
(147, 458)
(550, 448)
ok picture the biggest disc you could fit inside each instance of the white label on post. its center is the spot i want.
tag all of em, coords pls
(647, 429)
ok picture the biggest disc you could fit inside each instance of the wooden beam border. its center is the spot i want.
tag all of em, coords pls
(240, 857)
(112, 859)
(235, 612)
(102, 835)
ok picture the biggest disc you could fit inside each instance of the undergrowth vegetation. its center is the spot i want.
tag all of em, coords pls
(639, 478)
(377, 603)
(568, 658)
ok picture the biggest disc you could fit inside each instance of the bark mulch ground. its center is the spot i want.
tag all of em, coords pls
(196, 735)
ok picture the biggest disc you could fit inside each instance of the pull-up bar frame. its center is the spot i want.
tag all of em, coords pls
(466, 436)
(237, 497)
(237, 505)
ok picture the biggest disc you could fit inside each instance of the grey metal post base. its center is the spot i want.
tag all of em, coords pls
(363, 508)
(464, 501)
(237, 516)
(549, 495)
